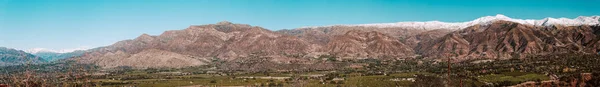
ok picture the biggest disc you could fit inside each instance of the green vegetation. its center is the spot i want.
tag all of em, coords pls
(325, 73)
(511, 79)
(237, 80)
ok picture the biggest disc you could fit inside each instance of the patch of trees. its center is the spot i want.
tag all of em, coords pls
(559, 64)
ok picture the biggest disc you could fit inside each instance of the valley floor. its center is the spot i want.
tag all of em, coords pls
(556, 70)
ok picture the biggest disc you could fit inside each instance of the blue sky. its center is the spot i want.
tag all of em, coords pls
(65, 24)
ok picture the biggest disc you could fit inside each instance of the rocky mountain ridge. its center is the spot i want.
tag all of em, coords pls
(54, 56)
(10, 56)
(198, 45)
(504, 39)
(432, 25)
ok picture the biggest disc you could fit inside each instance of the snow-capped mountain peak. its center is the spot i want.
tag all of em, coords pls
(37, 50)
(431, 25)
(490, 19)
(581, 20)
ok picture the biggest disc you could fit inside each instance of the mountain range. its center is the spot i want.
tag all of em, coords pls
(490, 37)
(10, 56)
(45, 50)
(54, 56)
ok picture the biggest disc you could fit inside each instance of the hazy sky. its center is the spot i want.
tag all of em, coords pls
(66, 24)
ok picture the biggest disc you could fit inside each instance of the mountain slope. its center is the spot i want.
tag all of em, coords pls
(505, 39)
(53, 56)
(197, 44)
(16, 57)
(487, 37)
(359, 44)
